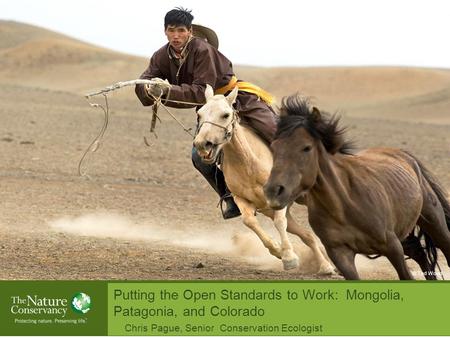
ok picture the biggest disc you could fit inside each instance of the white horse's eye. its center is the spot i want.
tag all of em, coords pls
(225, 116)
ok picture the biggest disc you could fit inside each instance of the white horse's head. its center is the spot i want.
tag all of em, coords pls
(216, 121)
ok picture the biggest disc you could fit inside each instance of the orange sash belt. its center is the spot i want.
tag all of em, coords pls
(246, 87)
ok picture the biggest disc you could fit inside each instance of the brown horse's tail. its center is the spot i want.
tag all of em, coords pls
(430, 248)
(437, 188)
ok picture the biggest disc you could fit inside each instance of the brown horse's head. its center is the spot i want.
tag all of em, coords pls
(303, 134)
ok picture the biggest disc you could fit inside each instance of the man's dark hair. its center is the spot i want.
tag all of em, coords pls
(178, 16)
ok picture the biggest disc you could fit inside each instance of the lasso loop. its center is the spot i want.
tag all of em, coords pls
(95, 144)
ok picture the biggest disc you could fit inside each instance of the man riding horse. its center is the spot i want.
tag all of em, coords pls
(190, 61)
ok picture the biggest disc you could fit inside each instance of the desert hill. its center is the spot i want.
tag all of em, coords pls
(14, 33)
(36, 57)
(419, 94)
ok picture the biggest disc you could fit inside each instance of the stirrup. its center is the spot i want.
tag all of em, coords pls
(221, 199)
(228, 213)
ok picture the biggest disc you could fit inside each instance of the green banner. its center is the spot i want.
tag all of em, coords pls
(70, 308)
(278, 308)
(206, 308)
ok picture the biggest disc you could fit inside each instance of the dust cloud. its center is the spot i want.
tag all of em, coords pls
(243, 244)
(110, 225)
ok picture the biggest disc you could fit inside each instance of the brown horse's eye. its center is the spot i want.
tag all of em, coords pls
(307, 149)
(225, 116)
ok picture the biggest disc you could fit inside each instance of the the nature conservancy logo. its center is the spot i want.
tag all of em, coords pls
(81, 303)
(37, 305)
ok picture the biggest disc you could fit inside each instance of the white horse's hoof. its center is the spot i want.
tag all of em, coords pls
(289, 264)
(326, 269)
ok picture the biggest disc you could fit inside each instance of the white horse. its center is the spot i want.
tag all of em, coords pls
(246, 164)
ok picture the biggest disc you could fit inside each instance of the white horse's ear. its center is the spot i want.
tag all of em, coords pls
(232, 96)
(209, 92)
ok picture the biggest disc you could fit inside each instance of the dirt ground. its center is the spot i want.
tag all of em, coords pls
(144, 212)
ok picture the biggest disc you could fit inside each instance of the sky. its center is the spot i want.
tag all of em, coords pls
(262, 33)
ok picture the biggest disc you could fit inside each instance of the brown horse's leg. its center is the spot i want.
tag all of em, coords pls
(438, 233)
(344, 259)
(435, 214)
(306, 235)
(432, 221)
(413, 248)
(394, 252)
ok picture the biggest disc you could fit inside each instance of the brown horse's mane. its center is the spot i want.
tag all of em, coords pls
(296, 112)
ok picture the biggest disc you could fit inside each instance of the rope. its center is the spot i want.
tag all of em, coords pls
(187, 130)
(95, 144)
(122, 84)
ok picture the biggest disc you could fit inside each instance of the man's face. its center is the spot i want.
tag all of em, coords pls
(178, 36)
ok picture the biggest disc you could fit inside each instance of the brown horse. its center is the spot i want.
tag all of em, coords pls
(246, 165)
(369, 202)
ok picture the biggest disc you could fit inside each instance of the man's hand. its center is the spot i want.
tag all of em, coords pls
(159, 88)
(156, 90)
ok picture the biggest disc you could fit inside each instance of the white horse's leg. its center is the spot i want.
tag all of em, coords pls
(250, 220)
(307, 236)
(288, 256)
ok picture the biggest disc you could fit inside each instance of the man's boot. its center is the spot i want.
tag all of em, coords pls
(231, 209)
(216, 180)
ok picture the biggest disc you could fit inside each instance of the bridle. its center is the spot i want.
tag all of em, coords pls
(228, 132)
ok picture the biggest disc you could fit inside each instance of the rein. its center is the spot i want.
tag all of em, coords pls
(158, 101)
